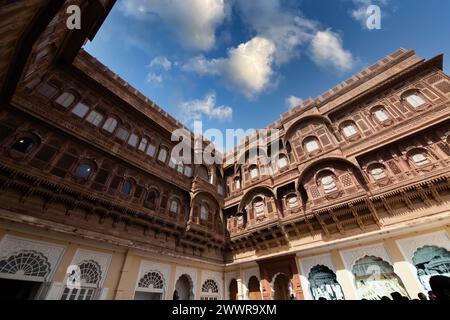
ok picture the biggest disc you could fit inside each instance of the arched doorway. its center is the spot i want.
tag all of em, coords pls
(233, 290)
(323, 284)
(254, 292)
(22, 274)
(281, 287)
(184, 288)
(430, 261)
(150, 287)
(375, 278)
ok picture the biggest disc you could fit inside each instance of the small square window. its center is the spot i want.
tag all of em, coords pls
(122, 134)
(133, 141)
(80, 110)
(151, 150)
(95, 118)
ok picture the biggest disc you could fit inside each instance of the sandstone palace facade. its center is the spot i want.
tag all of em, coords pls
(356, 206)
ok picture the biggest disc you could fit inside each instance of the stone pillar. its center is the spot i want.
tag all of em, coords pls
(344, 277)
(171, 284)
(403, 268)
(240, 284)
(128, 277)
(198, 293)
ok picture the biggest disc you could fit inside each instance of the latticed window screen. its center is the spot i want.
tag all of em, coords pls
(90, 277)
(152, 280)
(210, 290)
(27, 263)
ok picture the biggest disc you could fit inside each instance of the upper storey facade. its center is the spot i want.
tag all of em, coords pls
(79, 142)
(344, 157)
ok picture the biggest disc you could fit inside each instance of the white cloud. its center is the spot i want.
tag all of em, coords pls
(196, 109)
(327, 51)
(359, 13)
(248, 67)
(193, 21)
(293, 101)
(161, 62)
(155, 79)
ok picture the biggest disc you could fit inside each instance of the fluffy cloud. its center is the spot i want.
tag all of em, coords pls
(293, 101)
(359, 13)
(161, 62)
(196, 109)
(248, 67)
(327, 50)
(194, 21)
(154, 79)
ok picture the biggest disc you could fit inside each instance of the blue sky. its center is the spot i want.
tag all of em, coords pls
(240, 63)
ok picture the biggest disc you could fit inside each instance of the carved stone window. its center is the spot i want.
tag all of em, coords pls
(311, 145)
(152, 280)
(254, 172)
(143, 144)
(152, 197)
(292, 201)
(415, 100)
(133, 140)
(328, 183)
(95, 118)
(23, 145)
(174, 206)
(259, 207)
(282, 162)
(84, 171)
(110, 125)
(80, 110)
(127, 186)
(162, 156)
(47, 90)
(203, 212)
(237, 183)
(26, 263)
(122, 134)
(210, 290)
(381, 115)
(420, 158)
(377, 171)
(90, 273)
(66, 99)
(349, 129)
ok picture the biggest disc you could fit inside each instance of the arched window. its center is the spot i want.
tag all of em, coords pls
(254, 172)
(349, 129)
(203, 173)
(65, 99)
(311, 144)
(133, 140)
(90, 272)
(210, 290)
(323, 284)
(328, 183)
(152, 280)
(23, 145)
(143, 144)
(240, 220)
(174, 206)
(237, 183)
(80, 110)
(292, 201)
(151, 150)
(282, 162)
(152, 197)
(415, 100)
(110, 125)
(375, 278)
(380, 114)
(377, 171)
(27, 263)
(259, 207)
(203, 212)
(84, 171)
(162, 156)
(94, 118)
(122, 134)
(420, 158)
(127, 186)
(430, 261)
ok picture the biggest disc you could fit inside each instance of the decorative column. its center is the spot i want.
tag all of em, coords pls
(240, 285)
(171, 285)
